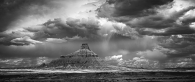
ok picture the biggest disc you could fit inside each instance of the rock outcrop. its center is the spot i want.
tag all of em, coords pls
(82, 58)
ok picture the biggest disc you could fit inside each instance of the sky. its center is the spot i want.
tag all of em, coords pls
(135, 33)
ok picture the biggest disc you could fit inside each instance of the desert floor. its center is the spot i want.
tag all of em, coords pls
(97, 76)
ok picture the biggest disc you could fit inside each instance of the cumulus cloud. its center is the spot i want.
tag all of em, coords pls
(22, 13)
(51, 30)
(71, 27)
(16, 61)
(41, 60)
(170, 17)
(23, 62)
(185, 62)
(114, 60)
(142, 62)
(179, 45)
(87, 29)
(161, 25)
(55, 40)
(115, 57)
(20, 41)
(24, 41)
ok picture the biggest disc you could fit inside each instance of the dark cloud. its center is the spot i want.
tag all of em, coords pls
(178, 46)
(134, 13)
(170, 25)
(132, 7)
(18, 38)
(175, 30)
(12, 10)
(83, 28)
(178, 30)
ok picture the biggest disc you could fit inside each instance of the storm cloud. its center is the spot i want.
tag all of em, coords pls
(131, 8)
(12, 10)
(165, 19)
(126, 32)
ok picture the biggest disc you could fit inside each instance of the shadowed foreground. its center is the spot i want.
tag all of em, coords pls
(101, 77)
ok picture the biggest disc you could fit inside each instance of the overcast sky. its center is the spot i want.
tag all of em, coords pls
(124, 30)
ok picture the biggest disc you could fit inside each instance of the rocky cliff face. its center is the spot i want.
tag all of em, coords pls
(82, 58)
